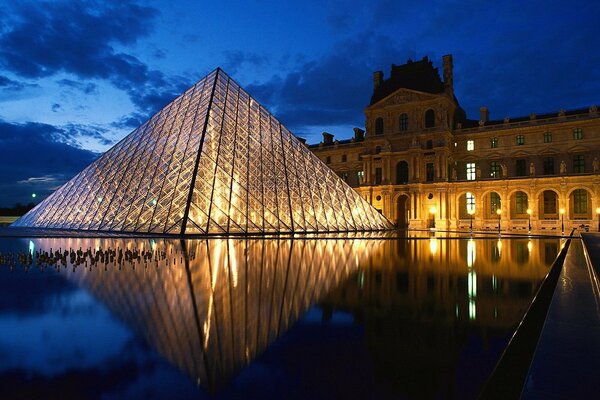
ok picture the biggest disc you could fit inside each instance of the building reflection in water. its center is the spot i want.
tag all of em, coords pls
(438, 313)
(211, 306)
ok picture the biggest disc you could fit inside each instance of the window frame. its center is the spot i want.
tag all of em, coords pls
(520, 140)
(471, 171)
(547, 137)
(403, 120)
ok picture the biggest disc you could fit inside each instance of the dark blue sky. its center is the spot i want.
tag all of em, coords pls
(77, 76)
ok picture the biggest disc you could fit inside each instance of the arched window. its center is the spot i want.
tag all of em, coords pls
(429, 119)
(379, 126)
(402, 173)
(549, 205)
(403, 122)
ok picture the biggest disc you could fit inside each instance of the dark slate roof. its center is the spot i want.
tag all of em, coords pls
(415, 75)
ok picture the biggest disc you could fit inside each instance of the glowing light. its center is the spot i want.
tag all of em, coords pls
(470, 253)
(498, 211)
(529, 211)
(562, 210)
(432, 210)
(433, 245)
(499, 246)
(31, 247)
(598, 210)
(33, 195)
(153, 202)
(529, 246)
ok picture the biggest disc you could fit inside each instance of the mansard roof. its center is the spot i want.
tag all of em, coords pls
(415, 75)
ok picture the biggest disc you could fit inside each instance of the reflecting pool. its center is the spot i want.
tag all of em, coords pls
(372, 317)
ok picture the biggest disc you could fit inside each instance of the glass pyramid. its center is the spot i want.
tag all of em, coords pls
(213, 161)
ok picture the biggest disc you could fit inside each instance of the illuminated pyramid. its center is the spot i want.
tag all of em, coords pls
(213, 161)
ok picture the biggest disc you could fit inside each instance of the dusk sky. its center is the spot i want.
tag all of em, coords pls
(77, 76)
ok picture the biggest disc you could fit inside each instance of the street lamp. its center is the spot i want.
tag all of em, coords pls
(562, 220)
(598, 212)
(529, 222)
(432, 212)
(471, 213)
(499, 212)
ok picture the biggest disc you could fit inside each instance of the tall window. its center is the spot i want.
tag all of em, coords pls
(521, 167)
(344, 176)
(577, 133)
(547, 137)
(470, 171)
(470, 202)
(402, 173)
(520, 140)
(429, 172)
(580, 201)
(378, 175)
(344, 158)
(403, 122)
(429, 119)
(360, 176)
(429, 144)
(548, 165)
(549, 202)
(494, 142)
(470, 145)
(521, 203)
(579, 163)
(328, 160)
(494, 202)
(379, 126)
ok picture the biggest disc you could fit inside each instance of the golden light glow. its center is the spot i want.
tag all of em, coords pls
(598, 210)
(498, 211)
(433, 245)
(562, 210)
(529, 211)
(432, 210)
(471, 211)
(529, 246)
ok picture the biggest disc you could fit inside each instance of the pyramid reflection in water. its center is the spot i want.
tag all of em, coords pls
(213, 161)
(212, 306)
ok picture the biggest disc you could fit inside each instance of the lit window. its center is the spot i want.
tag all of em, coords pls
(360, 176)
(470, 171)
(470, 145)
(547, 137)
(344, 158)
(470, 203)
(494, 142)
(520, 140)
(579, 164)
(577, 133)
(495, 169)
(403, 122)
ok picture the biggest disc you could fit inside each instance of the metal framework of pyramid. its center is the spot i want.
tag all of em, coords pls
(213, 161)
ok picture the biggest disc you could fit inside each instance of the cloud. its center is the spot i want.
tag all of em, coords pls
(55, 107)
(234, 60)
(84, 87)
(34, 150)
(81, 38)
(331, 90)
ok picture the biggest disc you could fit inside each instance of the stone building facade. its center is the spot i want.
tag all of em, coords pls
(424, 164)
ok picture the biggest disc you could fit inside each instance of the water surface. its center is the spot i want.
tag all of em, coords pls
(232, 318)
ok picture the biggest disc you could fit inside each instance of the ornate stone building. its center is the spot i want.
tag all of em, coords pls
(423, 163)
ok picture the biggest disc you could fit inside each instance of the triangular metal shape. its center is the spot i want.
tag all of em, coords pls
(212, 161)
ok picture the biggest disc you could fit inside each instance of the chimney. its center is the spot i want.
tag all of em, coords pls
(301, 139)
(377, 79)
(484, 115)
(327, 138)
(448, 74)
(359, 134)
